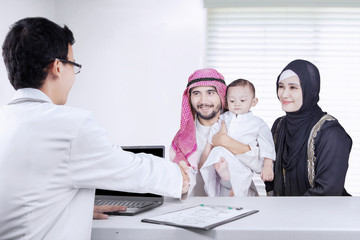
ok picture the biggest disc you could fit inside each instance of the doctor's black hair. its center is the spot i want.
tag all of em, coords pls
(29, 47)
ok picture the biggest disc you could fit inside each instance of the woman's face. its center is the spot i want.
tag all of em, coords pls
(290, 94)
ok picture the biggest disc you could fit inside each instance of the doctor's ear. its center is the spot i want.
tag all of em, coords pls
(55, 68)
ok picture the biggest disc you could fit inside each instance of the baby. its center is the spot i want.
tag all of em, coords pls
(236, 169)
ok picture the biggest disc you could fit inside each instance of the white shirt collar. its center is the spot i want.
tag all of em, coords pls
(241, 116)
(201, 128)
(30, 94)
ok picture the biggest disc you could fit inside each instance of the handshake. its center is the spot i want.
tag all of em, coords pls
(184, 168)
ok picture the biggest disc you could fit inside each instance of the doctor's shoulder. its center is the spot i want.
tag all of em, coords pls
(72, 114)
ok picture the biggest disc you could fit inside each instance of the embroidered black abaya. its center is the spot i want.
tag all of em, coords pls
(332, 144)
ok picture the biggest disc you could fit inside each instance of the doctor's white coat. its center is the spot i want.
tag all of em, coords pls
(51, 160)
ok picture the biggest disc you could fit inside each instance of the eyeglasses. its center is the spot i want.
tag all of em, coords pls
(77, 67)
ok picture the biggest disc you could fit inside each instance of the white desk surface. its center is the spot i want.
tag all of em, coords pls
(278, 218)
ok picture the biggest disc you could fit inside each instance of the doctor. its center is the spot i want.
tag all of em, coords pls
(52, 157)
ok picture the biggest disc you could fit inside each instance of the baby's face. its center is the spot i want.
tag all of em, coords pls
(240, 99)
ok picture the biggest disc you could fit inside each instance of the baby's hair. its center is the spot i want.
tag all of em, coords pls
(242, 83)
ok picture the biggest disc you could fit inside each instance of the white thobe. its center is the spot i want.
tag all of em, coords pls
(247, 129)
(196, 181)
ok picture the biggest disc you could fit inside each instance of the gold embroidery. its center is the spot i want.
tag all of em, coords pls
(277, 129)
(311, 147)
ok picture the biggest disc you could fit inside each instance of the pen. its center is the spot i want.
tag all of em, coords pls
(228, 207)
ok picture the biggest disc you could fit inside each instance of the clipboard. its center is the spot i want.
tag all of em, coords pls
(203, 217)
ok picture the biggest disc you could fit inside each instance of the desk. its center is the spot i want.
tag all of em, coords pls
(278, 218)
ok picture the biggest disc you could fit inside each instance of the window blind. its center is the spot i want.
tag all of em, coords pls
(256, 43)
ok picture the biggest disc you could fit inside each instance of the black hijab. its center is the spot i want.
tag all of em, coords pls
(294, 131)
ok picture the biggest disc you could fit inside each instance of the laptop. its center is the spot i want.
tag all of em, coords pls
(135, 202)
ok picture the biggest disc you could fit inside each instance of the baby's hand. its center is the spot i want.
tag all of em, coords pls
(231, 193)
(267, 173)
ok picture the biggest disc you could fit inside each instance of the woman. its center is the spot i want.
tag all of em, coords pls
(312, 148)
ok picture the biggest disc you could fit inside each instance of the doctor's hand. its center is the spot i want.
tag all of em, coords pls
(186, 179)
(99, 211)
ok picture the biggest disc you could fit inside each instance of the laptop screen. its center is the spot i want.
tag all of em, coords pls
(157, 150)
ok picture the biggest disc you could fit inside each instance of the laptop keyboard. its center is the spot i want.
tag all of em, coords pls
(129, 204)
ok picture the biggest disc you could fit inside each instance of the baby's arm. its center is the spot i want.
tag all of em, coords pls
(267, 173)
(205, 154)
(267, 148)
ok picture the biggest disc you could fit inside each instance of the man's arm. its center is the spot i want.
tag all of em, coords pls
(118, 169)
(224, 140)
(205, 154)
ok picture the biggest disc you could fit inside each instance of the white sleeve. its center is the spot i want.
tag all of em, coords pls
(95, 162)
(252, 159)
(266, 143)
(262, 148)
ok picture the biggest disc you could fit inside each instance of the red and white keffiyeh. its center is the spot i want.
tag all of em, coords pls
(183, 146)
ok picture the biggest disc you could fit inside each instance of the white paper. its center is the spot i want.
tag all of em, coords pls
(200, 216)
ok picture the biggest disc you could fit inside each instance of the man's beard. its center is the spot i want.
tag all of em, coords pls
(210, 115)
